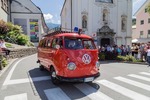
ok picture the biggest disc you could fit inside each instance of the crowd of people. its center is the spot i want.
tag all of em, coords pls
(122, 50)
(139, 51)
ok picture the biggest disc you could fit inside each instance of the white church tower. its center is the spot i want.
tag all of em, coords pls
(107, 21)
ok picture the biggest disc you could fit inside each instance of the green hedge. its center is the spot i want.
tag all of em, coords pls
(113, 56)
(4, 61)
(101, 56)
(107, 56)
(128, 58)
(13, 34)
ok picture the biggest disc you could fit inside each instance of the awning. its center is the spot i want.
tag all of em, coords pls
(141, 40)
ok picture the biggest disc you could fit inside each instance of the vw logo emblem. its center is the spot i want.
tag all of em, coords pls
(86, 59)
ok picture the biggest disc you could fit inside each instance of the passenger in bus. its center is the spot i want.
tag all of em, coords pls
(71, 44)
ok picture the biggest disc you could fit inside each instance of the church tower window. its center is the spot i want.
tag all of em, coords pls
(104, 1)
(105, 15)
(123, 23)
(84, 22)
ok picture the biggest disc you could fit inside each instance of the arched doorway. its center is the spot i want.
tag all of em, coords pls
(105, 41)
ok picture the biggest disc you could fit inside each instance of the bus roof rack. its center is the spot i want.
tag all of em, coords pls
(57, 32)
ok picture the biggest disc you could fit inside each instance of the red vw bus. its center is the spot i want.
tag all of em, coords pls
(69, 57)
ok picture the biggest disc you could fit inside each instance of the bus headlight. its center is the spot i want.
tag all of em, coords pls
(97, 64)
(71, 66)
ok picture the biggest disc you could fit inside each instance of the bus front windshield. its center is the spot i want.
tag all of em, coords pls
(79, 43)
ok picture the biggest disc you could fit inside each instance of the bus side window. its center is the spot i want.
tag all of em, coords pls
(49, 43)
(61, 43)
(42, 43)
(57, 41)
(53, 43)
(88, 44)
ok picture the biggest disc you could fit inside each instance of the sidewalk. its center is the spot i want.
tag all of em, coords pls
(112, 61)
(12, 60)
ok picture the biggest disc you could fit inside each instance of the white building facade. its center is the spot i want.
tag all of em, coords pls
(26, 14)
(141, 33)
(108, 21)
(5, 10)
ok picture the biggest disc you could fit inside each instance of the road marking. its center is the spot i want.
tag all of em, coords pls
(56, 94)
(140, 77)
(134, 83)
(27, 80)
(124, 91)
(91, 92)
(145, 73)
(5, 69)
(11, 72)
(17, 97)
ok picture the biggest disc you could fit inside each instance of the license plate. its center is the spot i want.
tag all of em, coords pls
(89, 79)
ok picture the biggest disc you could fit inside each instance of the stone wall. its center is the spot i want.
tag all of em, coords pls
(22, 52)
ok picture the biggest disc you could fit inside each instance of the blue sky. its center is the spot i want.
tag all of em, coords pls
(52, 8)
(137, 4)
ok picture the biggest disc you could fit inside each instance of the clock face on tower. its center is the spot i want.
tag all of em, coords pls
(105, 1)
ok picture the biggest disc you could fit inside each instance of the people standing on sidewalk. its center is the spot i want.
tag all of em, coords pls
(145, 49)
(128, 50)
(136, 48)
(148, 55)
(141, 48)
(139, 55)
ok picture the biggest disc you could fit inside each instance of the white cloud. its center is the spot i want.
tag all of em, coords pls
(52, 18)
(48, 17)
(58, 21)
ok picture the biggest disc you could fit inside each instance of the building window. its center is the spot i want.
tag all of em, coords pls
(84, 22)
(142, 22)
(148, 35)
(148, 20)
(145, 10)
(21, 22)
(123, 24)
(141, 34)
(4, 5)
(105, 15)
(104, 1)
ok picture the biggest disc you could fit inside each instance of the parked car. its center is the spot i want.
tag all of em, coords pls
(69, 57)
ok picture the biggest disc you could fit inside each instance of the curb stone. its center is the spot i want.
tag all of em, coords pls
(111, 61)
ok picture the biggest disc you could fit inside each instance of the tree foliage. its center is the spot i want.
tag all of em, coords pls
(13, 33)
(148, 8)
(3, 27)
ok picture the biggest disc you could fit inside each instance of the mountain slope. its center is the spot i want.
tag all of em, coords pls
(52, 25)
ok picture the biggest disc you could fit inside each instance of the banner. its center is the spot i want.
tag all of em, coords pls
(34, 30)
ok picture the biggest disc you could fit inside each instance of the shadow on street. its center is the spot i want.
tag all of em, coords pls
(67, 87)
